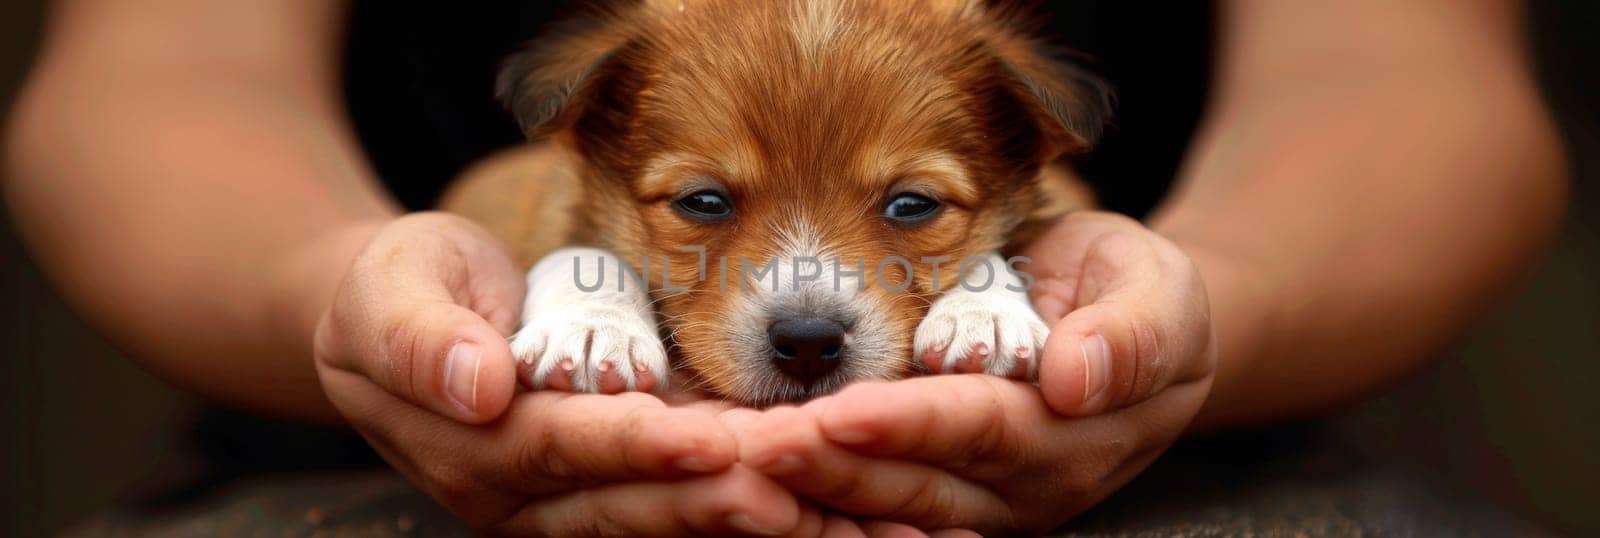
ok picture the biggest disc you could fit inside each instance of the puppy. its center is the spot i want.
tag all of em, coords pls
(794, 194)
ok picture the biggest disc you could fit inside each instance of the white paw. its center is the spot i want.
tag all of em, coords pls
(989, 333)
(590, 348)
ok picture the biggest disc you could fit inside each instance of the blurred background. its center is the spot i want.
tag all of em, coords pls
(1511, 413)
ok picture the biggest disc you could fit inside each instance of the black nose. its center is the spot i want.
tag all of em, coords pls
(808, 348)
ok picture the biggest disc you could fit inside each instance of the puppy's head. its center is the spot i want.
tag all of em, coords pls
(799, 165)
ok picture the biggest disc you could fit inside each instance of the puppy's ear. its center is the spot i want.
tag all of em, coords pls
(558, 81)
(1067, 105)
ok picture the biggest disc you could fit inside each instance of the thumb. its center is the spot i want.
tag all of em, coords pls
(1141, 330)
(413, 318)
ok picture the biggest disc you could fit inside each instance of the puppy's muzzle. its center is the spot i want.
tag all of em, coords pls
(807, 349)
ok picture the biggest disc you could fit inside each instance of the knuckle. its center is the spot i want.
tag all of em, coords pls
(342, 322)
(551, 464)
(630, 436)
(401, 340)
(992, 436)
(592, 517)
(930, 503)
(608, 523)
(845, 487)
(1146, 341)
(543, 460)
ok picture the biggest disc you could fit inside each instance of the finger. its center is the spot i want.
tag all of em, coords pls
(814, 523)
(885, 529)
(965, 423)
(786, 445)
(954, 533)
(1003, 435)
(399, 318)
(433, 354)
(737, 502)
(547, 442)
(485, 474)
(1137, 335)
(561, 441)
(842, 527)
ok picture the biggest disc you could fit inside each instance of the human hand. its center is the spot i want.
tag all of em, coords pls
(1127, 365)
(413, 354)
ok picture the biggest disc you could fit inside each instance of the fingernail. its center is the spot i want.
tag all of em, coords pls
(747, 525)
(461, 374)
(1096, 366)
(693, 465)
(785, 464)
(851, 437)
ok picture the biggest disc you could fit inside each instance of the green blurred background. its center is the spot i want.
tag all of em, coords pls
(1511, 412)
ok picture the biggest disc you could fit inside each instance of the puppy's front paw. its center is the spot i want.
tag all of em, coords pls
(987, 333)
(590, 348)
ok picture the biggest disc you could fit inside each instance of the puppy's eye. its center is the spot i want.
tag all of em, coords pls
(705, 205)
(911, 208)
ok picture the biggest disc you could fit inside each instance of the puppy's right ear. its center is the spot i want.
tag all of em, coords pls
(561, 81)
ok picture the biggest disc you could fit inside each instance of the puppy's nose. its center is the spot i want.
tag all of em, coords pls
(807, 348)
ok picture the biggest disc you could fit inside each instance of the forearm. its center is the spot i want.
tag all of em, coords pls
(1352, 216)
(196, 205)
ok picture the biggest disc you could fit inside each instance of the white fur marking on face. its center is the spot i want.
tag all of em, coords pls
(564, 319)
(816, 24)
(869, 350)
(998, 318)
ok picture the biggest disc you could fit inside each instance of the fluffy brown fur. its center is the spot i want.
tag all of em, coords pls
(811, 111)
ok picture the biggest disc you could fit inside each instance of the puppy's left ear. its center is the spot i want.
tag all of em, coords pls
(559, 81)
(1068, 105)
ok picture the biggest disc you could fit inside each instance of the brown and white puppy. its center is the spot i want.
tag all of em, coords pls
(815, 192)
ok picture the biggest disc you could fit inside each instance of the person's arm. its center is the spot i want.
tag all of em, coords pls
(184, 171)
(1371, 175)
